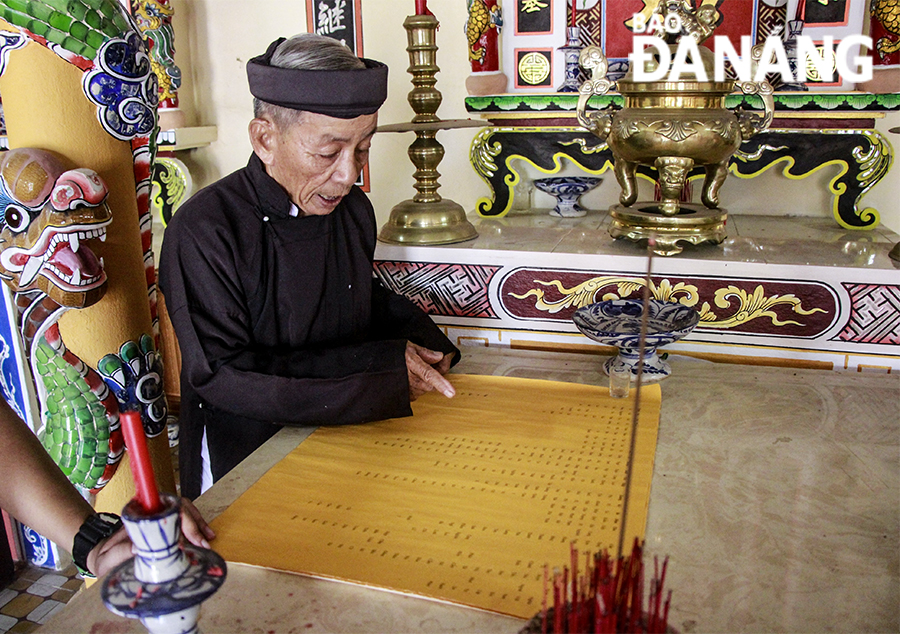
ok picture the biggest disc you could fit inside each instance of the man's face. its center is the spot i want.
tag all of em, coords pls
(318, 159)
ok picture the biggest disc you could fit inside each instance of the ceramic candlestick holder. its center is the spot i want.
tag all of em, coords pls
(571, 51)
(164, 584)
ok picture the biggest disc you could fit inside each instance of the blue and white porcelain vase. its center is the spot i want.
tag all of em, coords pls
(796, 64)
(571, 51)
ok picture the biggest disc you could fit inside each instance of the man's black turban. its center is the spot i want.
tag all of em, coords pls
(344, 94)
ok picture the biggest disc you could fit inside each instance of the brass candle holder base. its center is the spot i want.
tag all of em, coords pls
(441, 222)
(694, 224)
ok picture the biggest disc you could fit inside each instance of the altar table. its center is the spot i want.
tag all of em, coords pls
(776, 496)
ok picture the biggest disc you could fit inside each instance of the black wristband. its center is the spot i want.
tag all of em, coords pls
(95, 529)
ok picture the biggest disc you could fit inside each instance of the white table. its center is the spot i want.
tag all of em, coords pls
(776, 495)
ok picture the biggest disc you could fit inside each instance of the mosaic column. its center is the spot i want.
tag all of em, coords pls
(154, 19)
(884, 29)
(483, 35)
(79, 84)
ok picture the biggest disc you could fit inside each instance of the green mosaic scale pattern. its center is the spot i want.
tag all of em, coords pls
(79, 26)
(76, 433)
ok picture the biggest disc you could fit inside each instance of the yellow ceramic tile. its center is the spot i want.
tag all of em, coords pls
(32, 574)
(465, 501)
(20, 584)
(73, 584)
(23, 627)
(63, 596)
(21, 605)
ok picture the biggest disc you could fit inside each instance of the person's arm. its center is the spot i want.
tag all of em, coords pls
(38, 494)
(396, 317)
(32, 487)
(338, 385)
(356, 382)
(429, 353)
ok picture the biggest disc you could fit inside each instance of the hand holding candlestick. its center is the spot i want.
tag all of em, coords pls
(194, 527)
(165, 583)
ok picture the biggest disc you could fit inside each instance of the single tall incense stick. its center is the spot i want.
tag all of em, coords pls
(645, 316)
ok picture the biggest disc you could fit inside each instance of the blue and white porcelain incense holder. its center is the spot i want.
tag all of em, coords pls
(567, 190)
(617, 322)
(165, 583)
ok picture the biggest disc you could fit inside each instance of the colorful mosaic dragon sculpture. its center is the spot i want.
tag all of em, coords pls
(100, 38)
(154, 18)
(481, 19)
(888, 13)
(47, 214)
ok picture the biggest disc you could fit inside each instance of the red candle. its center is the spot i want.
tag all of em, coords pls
(421, 9)
(147, 495)
(574, 2)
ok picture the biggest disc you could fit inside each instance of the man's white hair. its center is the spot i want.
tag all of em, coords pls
(306, 51)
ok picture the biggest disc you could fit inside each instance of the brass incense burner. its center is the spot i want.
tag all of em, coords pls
(672, 126)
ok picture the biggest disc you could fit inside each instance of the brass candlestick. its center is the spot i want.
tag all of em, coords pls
(426, 218)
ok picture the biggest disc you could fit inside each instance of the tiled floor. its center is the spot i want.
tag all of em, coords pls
(34, 596)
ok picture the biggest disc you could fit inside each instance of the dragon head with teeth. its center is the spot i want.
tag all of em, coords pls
(46, 215)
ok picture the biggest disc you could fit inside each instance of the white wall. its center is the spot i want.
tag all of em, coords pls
(214, 39)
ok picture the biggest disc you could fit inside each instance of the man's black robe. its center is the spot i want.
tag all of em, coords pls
(279, 319)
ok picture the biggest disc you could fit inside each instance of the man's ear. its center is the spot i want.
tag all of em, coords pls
(263, 138)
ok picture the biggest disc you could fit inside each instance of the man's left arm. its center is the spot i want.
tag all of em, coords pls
(396, 317)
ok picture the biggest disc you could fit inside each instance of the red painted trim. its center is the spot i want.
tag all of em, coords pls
(310, 8)
(359, 31)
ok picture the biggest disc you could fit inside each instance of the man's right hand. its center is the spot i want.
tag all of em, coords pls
(425, 368)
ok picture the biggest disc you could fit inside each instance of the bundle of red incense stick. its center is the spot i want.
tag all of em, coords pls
(607, 598)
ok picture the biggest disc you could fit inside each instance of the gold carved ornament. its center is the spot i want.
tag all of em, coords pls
(534, 68)
(532, 6)
(483, 153)
(749, 306)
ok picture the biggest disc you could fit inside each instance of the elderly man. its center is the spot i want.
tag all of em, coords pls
(267, 273)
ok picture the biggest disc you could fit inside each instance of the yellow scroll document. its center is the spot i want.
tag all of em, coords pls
(465, 501)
